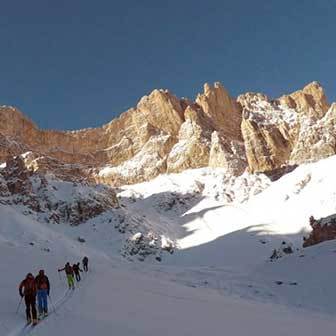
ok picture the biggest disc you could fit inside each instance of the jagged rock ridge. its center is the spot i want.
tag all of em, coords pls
(166, 134)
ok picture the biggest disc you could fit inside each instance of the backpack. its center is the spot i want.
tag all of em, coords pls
(68, 269)
(29, 287)
(42, 282)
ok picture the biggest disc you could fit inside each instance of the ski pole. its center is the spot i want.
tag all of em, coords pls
(18, 307)
(52, 303)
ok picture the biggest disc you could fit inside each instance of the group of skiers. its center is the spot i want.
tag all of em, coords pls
(74, 271)
(39, 287)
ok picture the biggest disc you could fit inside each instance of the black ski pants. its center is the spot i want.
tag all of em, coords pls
(30, 301)
(78, 277)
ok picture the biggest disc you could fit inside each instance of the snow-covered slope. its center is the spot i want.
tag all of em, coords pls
(202, 205)
(116, 298)
(218, 280)
(226, 243)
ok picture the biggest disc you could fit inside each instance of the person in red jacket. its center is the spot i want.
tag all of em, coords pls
(27, 289)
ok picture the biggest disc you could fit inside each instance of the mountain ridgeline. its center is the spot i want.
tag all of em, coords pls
(165, 134)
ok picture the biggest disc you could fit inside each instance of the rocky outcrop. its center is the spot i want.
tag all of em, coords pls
(268, 131)
(142, 246)
(316, 140)
(223, 110)
(311, 101)
(285, 249)
(293, 129)
(322, 230)
(17, 177)
(4, 192)
(64, 171)
(10, 148)
(49, 198)
(194, 140)
(162, 110)
(227, 154)
(145, 165)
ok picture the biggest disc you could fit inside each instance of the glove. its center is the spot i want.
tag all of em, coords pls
(21, 295)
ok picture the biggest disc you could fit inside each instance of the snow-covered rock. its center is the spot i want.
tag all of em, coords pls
(323, 229)
(50, 199)
(142, 246)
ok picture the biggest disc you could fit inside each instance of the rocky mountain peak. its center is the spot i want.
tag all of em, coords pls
(223, 110)
(164, 133)
(14, 123)
(310, 101)
(163, 110)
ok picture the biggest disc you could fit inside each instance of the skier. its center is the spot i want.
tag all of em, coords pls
(85, 263)
(27, 289)
(76, 268)
(43, 291)
(69, 274)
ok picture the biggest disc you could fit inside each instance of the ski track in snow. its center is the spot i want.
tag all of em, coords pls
(24, 329)
(225, 250)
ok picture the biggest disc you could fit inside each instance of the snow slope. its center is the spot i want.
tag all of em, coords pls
(256, 204)
(226, 245)
(220, 281)
(115, 298)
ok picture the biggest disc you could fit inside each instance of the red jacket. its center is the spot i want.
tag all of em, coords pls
(28, 287)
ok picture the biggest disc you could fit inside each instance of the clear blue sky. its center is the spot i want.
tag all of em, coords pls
(77, 63)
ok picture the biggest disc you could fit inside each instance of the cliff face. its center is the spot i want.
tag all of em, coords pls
(291, 130)
(51, 199)
(166, 134)
(224, 111)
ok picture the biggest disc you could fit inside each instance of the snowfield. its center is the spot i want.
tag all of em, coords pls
(218, 281)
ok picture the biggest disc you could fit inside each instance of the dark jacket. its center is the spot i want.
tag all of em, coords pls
(28, 286)
(85, 260)
(42, 282)
(76, 268)
(68, 269)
